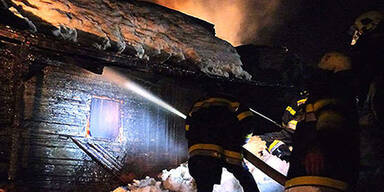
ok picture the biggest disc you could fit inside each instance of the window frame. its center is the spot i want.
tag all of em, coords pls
(88, 131)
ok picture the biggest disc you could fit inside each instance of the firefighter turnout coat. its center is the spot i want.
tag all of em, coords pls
(326, 143)
(216, 129)
(217, 126)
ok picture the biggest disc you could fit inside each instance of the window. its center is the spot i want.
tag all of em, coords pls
(104, 121)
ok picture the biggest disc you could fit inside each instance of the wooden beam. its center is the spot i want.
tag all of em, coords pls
(94, 60)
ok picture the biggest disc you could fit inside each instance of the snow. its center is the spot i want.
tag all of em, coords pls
(265, 183)
(32, 27)
(179, 179)
(66, 33)
(148, 29)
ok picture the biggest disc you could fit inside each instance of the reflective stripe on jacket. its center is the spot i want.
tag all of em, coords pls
(216, 151)
(316, 181)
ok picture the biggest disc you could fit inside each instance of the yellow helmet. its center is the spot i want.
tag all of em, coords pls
(366, 22)
(335, 61)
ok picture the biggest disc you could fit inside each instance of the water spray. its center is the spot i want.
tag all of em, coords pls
(123, 81)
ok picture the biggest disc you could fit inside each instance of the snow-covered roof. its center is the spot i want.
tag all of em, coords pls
(146, 31)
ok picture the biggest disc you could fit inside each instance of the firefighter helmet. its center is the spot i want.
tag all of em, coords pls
(335, 61)
(366, 22)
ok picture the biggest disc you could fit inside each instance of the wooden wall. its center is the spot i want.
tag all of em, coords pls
(6, 105)
(14, 62)
(57, 105)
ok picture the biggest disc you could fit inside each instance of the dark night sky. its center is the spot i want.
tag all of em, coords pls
(311, 28)
(308, 28)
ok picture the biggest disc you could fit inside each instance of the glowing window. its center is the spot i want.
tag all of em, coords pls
(104, 121)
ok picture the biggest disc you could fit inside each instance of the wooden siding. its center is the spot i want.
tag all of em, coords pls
(57, 105)
(14, 62)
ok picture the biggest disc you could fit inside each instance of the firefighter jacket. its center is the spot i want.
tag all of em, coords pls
(293, 113)
(330, 128)
(368, 58)
(218, 123)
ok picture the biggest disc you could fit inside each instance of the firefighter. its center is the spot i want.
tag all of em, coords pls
(216, 129)
(325, 154)
(367, 51)
(280, 143)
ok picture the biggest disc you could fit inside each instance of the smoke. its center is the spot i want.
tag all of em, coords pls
(236, 21)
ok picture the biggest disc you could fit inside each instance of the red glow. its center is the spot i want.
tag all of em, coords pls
(236, 21)
(227, 17)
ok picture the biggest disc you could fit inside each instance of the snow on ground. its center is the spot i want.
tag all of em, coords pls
(179, 179)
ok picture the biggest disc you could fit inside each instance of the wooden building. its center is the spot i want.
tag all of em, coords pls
(52, 93)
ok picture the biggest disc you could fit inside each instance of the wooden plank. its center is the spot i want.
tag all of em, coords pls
(54, 128)
(59, 161)
(265, 168)
(53, 152)
(63, 149)
(44, 169)
(57, 117)
(47, 139)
